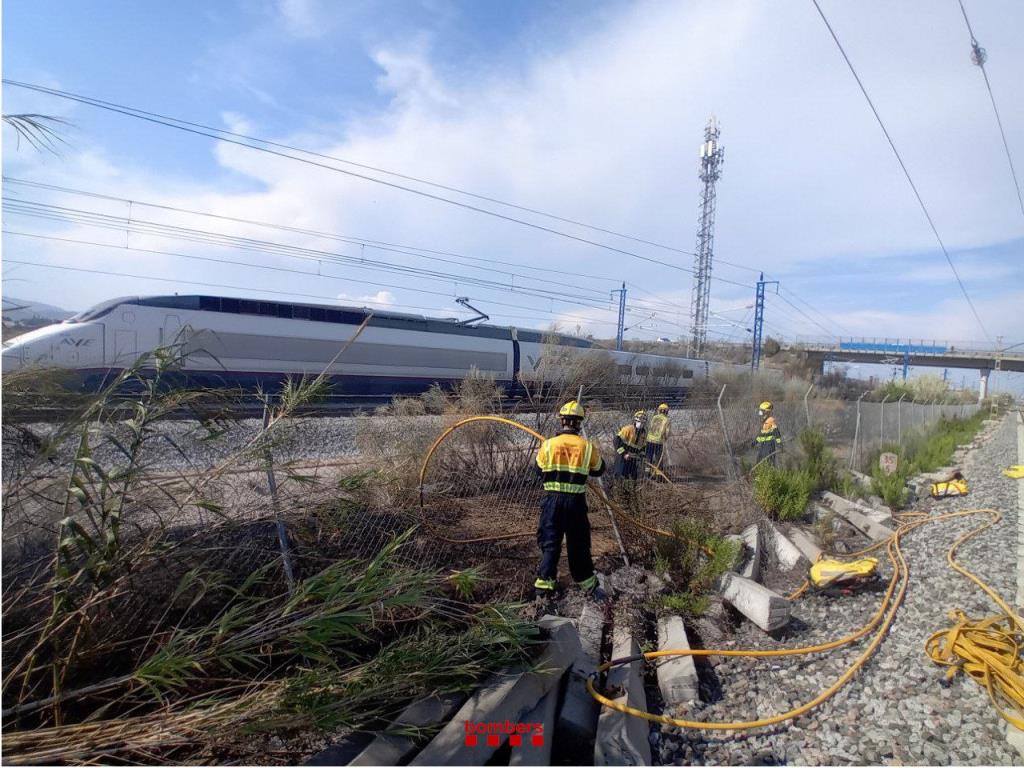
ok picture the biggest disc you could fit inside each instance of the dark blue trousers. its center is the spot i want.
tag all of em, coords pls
(564, 515)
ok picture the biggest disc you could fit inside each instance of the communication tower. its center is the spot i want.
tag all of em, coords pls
(709, 170)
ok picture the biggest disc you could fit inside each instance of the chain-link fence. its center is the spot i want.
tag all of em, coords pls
(478, 499)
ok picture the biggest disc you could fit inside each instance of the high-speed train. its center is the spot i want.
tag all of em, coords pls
(249, 343)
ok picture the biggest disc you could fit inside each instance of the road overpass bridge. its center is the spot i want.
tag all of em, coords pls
(908, 352)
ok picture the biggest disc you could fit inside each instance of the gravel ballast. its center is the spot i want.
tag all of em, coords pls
(898, 709)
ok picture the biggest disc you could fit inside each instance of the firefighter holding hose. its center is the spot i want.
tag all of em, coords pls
(565, 462)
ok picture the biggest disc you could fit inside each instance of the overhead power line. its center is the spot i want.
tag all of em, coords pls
(408, 250)
(910, 180)
(128, 225)
(333, 299)
(198, 128)
(270, 148)
(978, 56)
(304, 254)
(409, 177)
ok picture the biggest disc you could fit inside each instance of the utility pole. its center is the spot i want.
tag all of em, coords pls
(710, 169)
(755, 357)
(621, 329)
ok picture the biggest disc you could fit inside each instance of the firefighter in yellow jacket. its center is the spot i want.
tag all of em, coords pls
(565, 462)
(658, 432)
(769, 440)
(630, 443)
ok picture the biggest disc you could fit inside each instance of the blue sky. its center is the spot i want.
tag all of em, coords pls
(592, 111)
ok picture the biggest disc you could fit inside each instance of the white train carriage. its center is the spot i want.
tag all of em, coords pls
(248, 343)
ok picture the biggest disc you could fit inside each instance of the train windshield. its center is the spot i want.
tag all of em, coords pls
(98, 311)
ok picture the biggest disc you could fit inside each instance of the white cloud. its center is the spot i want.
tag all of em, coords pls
(605, 130)
(378, 300)
(301, 18)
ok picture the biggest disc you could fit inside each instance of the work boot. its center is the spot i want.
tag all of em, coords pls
(592, 589)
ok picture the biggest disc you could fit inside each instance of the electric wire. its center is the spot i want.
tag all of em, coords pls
(206, 131)
(117, 223)
(321, 276)
(409, 250)
(979, 59)
(906, 172)
(333, 299)
(394, 174)
(330, 258)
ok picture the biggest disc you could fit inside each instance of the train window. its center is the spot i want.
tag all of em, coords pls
(643, 370)
(209, 303)
(230, 305)
(333, 316)
(687, 373)
(625, 370)
(284, 310)
(268, 308)
(316, 313)
(300, 313)
(246, 307)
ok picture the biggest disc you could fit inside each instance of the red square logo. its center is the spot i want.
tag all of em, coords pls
(493, 740)
(515, 740)
(470, 739)
(537, 739)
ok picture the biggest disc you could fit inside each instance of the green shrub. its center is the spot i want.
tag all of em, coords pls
(847, 487)
(684, 603)
(693, 556)
(921, 452)
(818, 460)
(892, 488)
(784, 493)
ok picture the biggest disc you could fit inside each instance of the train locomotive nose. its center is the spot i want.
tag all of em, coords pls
(13, 358)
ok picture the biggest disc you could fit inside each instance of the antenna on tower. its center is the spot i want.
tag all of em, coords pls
(709, 170)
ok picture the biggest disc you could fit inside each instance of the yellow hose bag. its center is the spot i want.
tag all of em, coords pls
(835, 573)
(957, 486)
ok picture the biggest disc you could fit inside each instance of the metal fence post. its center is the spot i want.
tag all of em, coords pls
(856, 435)
(881, 422)
(899, 420)
(807, 407)
(731, 467)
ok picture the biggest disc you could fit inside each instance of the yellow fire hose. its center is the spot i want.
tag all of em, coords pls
(987, 649)
(619, 512)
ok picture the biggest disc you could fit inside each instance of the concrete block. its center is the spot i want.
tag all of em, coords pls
(876, 502)
(856, 517)
(767, 609)
(527, 753)
(787, 555)
(749, 563)
(677, 675)
(861, 479)
(623, 739)
(505, 697)
(577, 718)
(393, 748)
(805, 543)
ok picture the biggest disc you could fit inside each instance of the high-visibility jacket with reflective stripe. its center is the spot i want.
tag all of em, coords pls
(630, 439)
(566, 461)
(658, 430)
(769, 432)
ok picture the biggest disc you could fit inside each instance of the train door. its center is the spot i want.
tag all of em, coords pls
(125, 347)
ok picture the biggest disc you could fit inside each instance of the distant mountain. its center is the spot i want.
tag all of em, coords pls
(26, 310)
